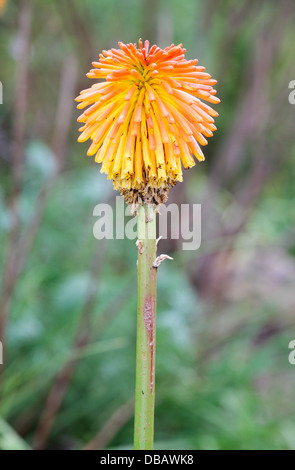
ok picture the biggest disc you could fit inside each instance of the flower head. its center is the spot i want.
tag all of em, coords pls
(146, 118)
(2, 6)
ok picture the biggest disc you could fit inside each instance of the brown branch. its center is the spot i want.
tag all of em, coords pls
(64, 111)
(63, 378)
(149, 20)
(19, 245)
(21, 94)
(82, 337)
(24, 421)
(249, 129)
(18, 135)
(77, 26)
(111, 428)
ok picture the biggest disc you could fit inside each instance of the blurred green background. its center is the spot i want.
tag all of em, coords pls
(68, 302)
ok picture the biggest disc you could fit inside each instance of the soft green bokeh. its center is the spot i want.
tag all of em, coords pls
(225, 312)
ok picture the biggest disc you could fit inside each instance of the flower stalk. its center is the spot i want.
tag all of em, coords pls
(146, 118)
(146, 318)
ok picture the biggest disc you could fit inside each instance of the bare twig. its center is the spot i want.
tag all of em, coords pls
(20, 106)
(64, 111)
(84, 328)
(111, 428)
(250, 129)
(21, 92)
(19, 245)
(25, 421)
(62, 380)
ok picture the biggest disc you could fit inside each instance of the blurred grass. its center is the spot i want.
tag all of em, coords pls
(9, 440)
(223, 377)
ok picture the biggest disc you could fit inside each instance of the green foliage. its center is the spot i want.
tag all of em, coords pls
(223, 379)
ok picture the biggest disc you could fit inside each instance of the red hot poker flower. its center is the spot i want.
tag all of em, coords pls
(147, 117)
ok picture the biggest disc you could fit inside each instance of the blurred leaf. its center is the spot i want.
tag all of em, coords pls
(9, 439)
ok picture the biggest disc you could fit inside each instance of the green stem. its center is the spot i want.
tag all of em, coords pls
(146, 316)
